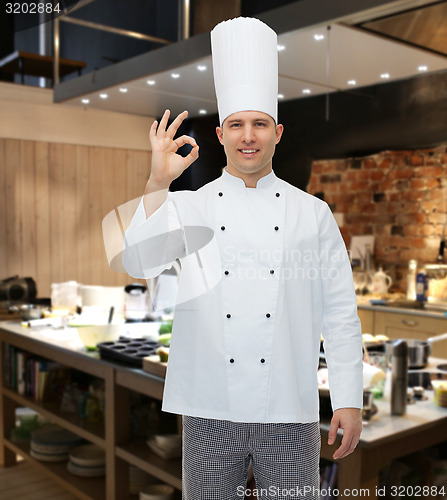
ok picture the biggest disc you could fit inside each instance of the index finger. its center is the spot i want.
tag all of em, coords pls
(172, 129)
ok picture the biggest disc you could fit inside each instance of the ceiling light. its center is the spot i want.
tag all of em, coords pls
(280, 96)
(201, 67)
(385, 76)
(175, 75)
(103, 96)
(123, 90)
(151, 82)
(281, 47)
(352, 82)
(202, 111)
(85, 101)
(306, 91)
(318, 37)
(422, 68)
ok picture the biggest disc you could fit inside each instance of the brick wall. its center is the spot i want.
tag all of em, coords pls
(398, 196)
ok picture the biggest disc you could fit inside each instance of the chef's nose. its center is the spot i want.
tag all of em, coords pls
(248, 134)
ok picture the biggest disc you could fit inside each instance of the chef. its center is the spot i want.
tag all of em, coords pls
(264, 273)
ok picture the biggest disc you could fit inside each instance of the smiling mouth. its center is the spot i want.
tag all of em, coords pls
(248, 151)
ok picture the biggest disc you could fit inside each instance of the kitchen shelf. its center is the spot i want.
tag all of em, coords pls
(138, 454)
(113, 435)
(85, 488)
(91, 431)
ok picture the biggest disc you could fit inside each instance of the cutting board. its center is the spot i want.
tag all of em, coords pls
(153, 365)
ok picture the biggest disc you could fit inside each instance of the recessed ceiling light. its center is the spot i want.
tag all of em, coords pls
(352, 82)
(123, 90)
(423, 68)
(281, 47)
(201, 67)
(318, 37)
(85, 101)
(151, 82)
(103, 96)
(280, 96)
(175, 75)
(306, 91)
(385, 76)
(202, 111)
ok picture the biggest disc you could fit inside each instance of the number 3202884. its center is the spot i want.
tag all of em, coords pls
(32, 8)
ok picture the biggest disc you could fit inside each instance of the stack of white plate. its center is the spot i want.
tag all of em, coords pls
(51, 443)
(88, 460)
(157, 492)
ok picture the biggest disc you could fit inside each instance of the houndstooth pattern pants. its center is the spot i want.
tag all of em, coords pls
(217, 453)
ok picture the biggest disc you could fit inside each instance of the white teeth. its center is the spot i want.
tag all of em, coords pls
(249, 150)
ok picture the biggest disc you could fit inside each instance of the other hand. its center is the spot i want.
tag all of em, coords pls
(167, 165)
(350, 420)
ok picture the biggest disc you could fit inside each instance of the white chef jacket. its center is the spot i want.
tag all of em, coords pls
(264, 273)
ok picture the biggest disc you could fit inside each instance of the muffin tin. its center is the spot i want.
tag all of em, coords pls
(128, 351)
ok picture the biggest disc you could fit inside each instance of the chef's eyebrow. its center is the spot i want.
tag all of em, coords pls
(239, 120)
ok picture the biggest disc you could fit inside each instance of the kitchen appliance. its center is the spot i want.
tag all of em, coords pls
(15, 289)
(436, 286)
(136, 302)
(418, 350)
(97, 300)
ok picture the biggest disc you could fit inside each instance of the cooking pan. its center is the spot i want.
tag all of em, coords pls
(418, 350)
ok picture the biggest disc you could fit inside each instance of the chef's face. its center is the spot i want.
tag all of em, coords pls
(249, 139)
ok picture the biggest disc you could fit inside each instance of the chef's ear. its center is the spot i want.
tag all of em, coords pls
(279, 131)
(219, 132)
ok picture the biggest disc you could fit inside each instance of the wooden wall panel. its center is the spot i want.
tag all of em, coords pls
(42, 214)
(54, 197)
(26, 189)
(83, 213)
(3, 211)
(13, 233)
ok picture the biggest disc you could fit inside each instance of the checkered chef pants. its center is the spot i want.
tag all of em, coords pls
(217, 453)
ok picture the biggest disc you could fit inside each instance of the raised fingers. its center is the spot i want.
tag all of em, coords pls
(176, 124)
(163, 122)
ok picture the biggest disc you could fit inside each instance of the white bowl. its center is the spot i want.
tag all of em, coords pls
(91, 335)
(88, 455)
(168, 440)
(157, 492)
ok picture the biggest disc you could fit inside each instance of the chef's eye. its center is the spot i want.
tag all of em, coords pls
(260, 124)
(235, 125)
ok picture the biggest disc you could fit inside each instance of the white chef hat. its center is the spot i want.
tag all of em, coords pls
(245, 66)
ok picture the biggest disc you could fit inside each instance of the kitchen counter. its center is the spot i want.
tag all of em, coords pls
(402, 310)
(384, 438)
(387, 437)
(403, 322)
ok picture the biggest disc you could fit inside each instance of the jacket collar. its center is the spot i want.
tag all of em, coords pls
(266, 182)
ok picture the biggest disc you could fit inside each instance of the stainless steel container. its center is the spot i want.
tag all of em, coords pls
(399, 377)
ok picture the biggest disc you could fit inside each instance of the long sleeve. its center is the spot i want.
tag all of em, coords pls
(341, 325)
(152, 244)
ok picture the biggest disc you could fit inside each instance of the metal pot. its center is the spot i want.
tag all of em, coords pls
(30, 311)
(418, 350)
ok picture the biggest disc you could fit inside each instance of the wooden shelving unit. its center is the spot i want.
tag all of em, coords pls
(113, 434)
(139, 454)
(91, 431)
(85, 488)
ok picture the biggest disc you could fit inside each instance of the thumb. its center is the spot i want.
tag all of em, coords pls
(332, 435)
